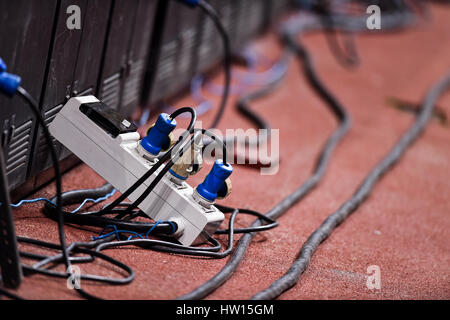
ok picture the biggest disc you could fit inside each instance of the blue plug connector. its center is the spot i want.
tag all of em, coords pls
(214, 185)
(8, 82)
(191, 3)
(158, 136)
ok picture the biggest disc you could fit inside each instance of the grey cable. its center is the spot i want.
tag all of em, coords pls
(295, 26)
(344, 124)
(335, 219)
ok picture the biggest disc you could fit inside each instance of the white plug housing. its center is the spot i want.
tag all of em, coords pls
(118, 162)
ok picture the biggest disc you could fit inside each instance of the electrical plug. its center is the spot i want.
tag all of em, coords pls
(190, 162)
(190, 3)
(158, 137)
(216, 185)
(8, 82)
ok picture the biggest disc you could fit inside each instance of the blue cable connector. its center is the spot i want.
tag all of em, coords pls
(214, 184)
(158, 136)
(8, 82)
(191, 3)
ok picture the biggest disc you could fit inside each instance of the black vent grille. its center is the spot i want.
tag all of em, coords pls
(186, 48)
(165, 77)
(133, 82)
(17, 152)
(48, 117)
(166, 66)
(111, 91)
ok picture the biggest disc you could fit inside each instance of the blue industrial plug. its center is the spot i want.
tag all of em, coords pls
(215, 185)
(158, 136)
(191, 3)
(8, 82)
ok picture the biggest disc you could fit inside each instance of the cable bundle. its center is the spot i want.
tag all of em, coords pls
(119, 217)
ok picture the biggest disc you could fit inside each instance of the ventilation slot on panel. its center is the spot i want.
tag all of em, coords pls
(254, 17)
(133, 83)
(165, 77)
(18, 147)
(208, 48)
(166, 67)
(185, 54)
(48, 117)
(111, 91)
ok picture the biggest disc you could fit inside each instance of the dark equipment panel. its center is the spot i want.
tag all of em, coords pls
(174, 44)
(210, 49)
(138, 56)
(277, 8)
(93, 36)
(73, 69)
(116, 52)
(25, 40)
(242, 20)
(127, 52)
(58, 82)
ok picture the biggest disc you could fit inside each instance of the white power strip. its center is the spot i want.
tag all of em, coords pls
(118, 162)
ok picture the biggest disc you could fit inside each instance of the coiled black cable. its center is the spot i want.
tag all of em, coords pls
(96, 219)
(77, 247)
(60, 220)
(211, 252)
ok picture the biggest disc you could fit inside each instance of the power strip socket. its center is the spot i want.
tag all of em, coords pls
(117, 160)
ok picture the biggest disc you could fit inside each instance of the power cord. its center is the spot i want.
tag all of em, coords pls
(35, 110)
(321, 164)
(359, 197)
(392, 21)
(95, 218)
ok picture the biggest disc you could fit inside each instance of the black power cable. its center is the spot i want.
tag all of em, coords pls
(322, 162)
(35, 110)
(78, 247)
(171, 162)
(60, 214)
(211, 252)
(96, 219)
(164, 246)
(360, 196)
(392, 21)
(60, 218)
(65, 250)
(102, 244)
(271, 223)
(161, 161)
(158, 178)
